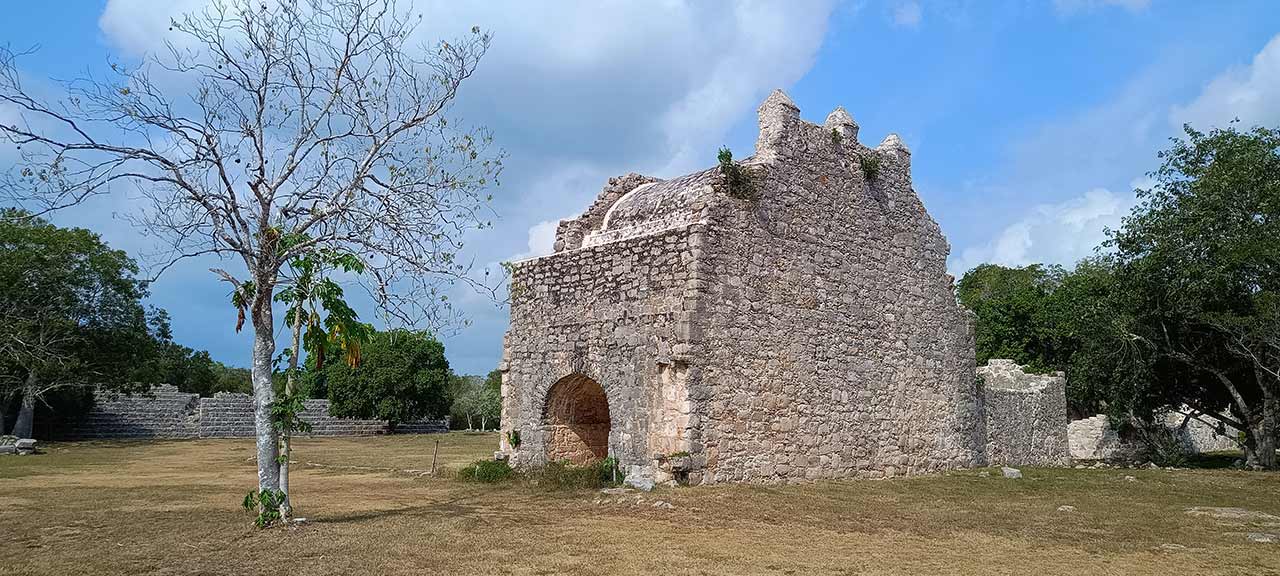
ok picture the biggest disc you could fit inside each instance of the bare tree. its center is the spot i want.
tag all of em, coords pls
(269, 131)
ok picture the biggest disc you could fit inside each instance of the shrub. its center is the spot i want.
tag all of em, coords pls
(266, 504)
(565, 476)
(738, 179)
(1160, 444)
(870, 166)
(487, 472)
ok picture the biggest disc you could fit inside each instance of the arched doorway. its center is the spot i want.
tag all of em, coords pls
(577, 420)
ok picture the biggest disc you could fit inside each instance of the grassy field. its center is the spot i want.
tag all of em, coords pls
(173, 508)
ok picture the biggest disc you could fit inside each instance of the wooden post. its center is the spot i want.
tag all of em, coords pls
(433, 458)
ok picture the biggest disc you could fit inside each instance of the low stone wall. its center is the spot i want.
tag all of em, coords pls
(1026, 416)
(168, 413)
(1095, 439)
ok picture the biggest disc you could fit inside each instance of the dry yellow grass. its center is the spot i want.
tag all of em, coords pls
(173, 508)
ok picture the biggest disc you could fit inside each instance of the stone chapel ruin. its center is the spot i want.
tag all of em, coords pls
(804, 328)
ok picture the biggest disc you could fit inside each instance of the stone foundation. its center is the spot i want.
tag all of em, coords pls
(168, 413)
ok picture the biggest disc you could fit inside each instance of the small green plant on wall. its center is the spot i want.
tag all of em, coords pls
(737, 177)
(513, 438)
(871, 166)
(836, 137)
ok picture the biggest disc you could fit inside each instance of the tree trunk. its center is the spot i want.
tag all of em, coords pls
(264, 350)
(1261, 447)
(286, 507)
(27, 411)
(4, 411)
(484, 421)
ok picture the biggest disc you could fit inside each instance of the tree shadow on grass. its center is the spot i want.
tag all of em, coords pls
(1214, 460)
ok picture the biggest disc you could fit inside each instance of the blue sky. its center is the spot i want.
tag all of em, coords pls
(1030, 122)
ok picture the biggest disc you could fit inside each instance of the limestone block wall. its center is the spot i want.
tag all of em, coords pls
(832, 343)
(1026, 416)
(613, 313)
(1095, 438)
(167, 413)
(1203, 435)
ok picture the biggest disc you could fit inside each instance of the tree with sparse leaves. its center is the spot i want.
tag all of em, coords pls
(296, 127)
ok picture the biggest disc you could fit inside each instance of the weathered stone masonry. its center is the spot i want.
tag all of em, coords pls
(168, 413)
(805, 330)
(1025, 415)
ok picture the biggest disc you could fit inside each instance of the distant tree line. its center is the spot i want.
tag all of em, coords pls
(1180, 307)
(72, 318)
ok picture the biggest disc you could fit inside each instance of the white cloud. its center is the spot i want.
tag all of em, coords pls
(907, 14)
(1067, 7)
(1059, 233)
(542, 240)
(577, 91)
(1107, 145)
(137, 27)
(1250, 93)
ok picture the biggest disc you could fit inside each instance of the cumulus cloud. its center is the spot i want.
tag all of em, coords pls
(907, 14)
(1250, 93)
(1060, 233)
(542, 240)
(1123, 135)
(577, 91)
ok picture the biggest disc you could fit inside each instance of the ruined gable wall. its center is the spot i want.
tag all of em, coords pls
(617, 313)
(833, 345)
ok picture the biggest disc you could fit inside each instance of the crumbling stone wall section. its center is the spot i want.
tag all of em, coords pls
(168, 413)
(1094, 438)
(570, 233)
(1202, 434)
(803, 328)
(1026, 416)
(832, 342)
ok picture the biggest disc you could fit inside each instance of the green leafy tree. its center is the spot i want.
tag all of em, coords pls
(476, 400)
(493, 398)
(1011, 306)
(1087, 318)
(402, 376)
(1199, 263)
(70, 314)
(189, 370)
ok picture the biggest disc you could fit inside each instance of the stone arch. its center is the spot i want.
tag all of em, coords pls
(576, 420)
